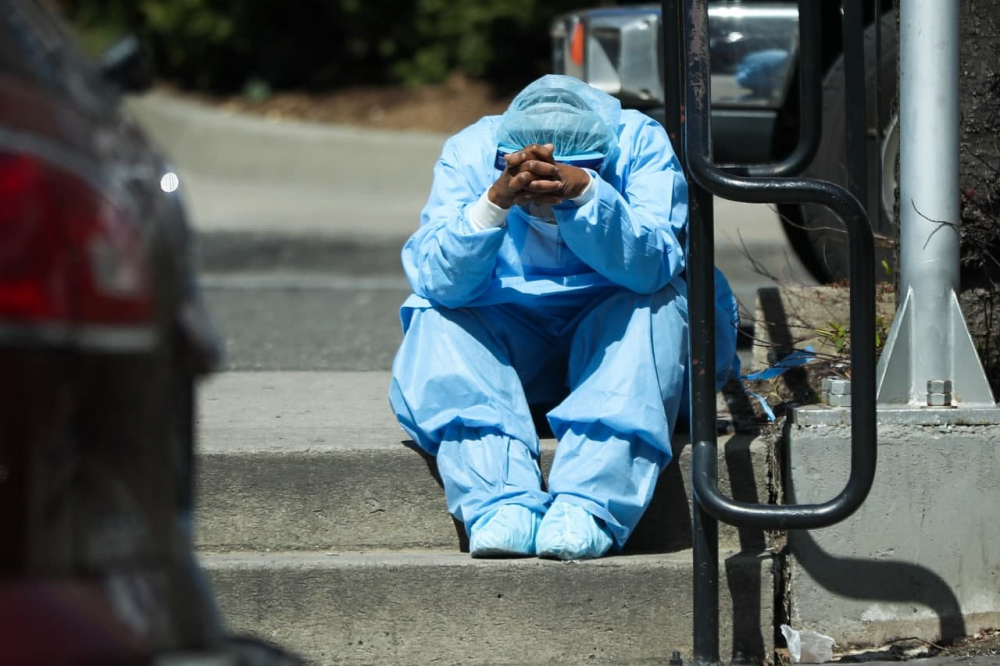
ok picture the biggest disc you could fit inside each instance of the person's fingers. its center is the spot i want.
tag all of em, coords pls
(507, 187)
(533, 152)
(540, 168)
(540, 151)
(541, 185)
(520, 181)
(516, 159)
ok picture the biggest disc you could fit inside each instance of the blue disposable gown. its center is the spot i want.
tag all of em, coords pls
(589, 314)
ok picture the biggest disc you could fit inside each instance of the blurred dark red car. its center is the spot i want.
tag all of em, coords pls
(102, 338)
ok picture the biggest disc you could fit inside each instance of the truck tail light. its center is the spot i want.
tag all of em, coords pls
(578, 40)
(68, 255)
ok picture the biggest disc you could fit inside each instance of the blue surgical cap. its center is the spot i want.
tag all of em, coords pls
(578, 119)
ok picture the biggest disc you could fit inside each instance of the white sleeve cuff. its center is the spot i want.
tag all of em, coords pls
(588, 193)
(484, 214)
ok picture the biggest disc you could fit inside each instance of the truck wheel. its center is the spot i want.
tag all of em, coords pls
(815, 233)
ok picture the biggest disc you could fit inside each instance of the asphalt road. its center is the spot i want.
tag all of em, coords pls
(313, 303)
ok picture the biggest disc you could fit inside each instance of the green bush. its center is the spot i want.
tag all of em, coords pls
(224, 44)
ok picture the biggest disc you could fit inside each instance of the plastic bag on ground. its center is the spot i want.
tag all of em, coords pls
(808, 647)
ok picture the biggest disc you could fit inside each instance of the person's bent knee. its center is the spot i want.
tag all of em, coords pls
(664, 296)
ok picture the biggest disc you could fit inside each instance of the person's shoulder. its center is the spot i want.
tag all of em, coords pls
(482, 129)
(641, 135)
(634, 121)
(639, 132)
(474, 146)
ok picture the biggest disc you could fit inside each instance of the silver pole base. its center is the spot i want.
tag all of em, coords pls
(900, 379)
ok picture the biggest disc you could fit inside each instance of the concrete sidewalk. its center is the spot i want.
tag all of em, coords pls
(246, 173)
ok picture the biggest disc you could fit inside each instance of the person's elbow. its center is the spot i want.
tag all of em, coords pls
(442, 287)
(450, 298)
(651, 271)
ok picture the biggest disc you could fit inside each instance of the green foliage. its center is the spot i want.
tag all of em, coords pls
(224, 44)
(839, 336)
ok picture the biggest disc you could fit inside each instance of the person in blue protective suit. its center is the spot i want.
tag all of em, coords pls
(548, 269)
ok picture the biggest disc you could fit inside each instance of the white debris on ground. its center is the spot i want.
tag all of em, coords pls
(807, 647)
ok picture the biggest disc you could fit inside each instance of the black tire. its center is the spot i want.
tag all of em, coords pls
(816, 234)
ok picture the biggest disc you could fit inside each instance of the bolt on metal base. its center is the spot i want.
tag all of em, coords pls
(837, 392)
(939, 393)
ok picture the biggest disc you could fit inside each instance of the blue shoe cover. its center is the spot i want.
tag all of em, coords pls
(507, 532)
(569, 532)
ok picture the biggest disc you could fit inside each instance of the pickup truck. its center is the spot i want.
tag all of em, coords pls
(755, 109)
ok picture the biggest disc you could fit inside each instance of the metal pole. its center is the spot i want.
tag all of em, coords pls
(855, 107)
(928, 105)
(673, 90)
(701, 290)
(875, 215)
(930, 359)
(704, 526)
(810, 101)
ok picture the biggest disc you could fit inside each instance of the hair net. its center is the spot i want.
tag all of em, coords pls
(574, 116)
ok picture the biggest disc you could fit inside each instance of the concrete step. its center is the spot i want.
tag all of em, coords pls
(446, 608)
(316, 461)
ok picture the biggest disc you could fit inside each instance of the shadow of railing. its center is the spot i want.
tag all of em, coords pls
(877, 580)
(886, 581)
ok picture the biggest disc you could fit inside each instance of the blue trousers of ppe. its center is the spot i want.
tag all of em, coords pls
(464, 378)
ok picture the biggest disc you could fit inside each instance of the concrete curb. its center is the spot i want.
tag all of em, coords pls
(373, 496)
(420, 608)
(316, 461)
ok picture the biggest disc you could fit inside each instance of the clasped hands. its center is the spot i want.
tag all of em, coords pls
(533, 176)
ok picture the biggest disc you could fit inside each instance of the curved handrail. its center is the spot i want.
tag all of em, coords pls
(810, 101)
(707, 175)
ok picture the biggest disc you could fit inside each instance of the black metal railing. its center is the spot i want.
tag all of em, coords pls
(810, 94)
(810, 66)
(855, 108)
(687, 68)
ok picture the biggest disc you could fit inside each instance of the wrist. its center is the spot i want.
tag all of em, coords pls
(586, 195)
(495, 198)
(581, 182)
(484, 214)
(586, 191)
